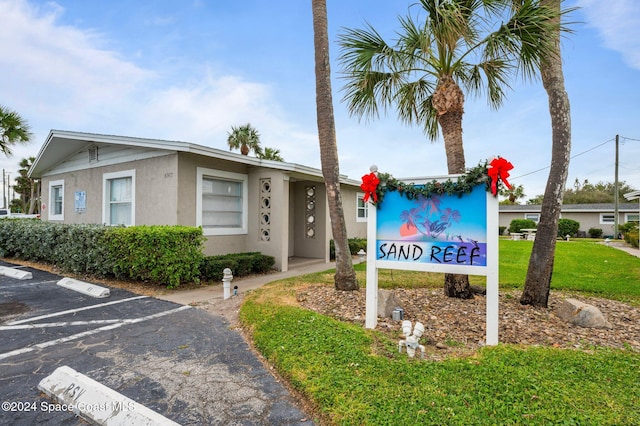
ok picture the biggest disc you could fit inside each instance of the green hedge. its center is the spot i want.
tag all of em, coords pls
(595, 232)
(517, 225)
(568, 227)
(241, 264)
(632, 238)
(165, 255)
(355, 245)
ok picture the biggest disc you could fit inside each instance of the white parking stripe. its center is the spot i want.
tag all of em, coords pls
(71, 311)
(89, 333)
(56, 324)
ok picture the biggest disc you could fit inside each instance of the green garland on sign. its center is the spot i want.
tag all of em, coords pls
(463, 185)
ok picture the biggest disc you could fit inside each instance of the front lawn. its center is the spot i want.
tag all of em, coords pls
(355, 376)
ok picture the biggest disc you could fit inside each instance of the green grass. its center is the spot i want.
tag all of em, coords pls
(355, 376)
(583, 266)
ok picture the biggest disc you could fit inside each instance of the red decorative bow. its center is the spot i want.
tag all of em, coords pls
(369, 185)
(499, 169)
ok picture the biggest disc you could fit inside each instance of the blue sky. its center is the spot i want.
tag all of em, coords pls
(189, 70)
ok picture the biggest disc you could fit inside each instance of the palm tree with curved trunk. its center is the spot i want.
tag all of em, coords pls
(345, 276)
(245, 138)
(13, 130)
(538, 281)
(445, 49)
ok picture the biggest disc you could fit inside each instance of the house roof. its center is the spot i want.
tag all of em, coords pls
(575, 208)
(61, 144)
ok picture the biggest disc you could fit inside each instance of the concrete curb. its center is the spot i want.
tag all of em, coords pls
(15, 273)
(95, 402)
(84, 288)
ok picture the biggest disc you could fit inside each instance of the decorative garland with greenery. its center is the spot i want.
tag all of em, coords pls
(384, 182)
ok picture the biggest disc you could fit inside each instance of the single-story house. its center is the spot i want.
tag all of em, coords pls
(588, 215)
(242, 203)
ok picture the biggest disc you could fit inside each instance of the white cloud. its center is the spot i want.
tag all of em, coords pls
(617, 22)
(63, 77)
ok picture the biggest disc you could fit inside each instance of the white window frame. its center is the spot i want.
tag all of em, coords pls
(360, 197)
(607, 222)
(106, 211)
(628, 215)
(537, 217)
(201, 173)
(52, 186)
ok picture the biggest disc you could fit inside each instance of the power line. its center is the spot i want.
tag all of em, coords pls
(572, 157)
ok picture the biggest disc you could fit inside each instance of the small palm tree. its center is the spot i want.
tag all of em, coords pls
(246, 138)
(270, 154)
(13, 129)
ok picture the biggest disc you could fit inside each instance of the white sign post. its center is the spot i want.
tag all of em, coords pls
(443, 233)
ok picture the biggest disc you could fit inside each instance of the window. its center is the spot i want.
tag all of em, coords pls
(221, 203)
(56, 200)
(119, 198)
(532, 216)
(607, 218)
(631, 217)
(361, 208)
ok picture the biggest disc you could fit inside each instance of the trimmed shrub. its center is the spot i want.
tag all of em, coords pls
(163, 254)
(355, 245)
(501, 230)
(263, 263)
(241, 264)
(568, 227)
(595, 232)
(630, 231)
(212, 266)
(517, 225)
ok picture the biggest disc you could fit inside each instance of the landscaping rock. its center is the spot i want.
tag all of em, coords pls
(387, 302)
(582, 314)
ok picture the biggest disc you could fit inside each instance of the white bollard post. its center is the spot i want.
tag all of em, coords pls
(226, 282)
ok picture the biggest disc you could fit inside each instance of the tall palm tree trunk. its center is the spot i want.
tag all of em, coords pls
(538, 281)
(448, 100)
(345, 278)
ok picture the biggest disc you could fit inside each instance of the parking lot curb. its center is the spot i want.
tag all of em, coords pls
(15, 273)
(93, 401)
(84, 288)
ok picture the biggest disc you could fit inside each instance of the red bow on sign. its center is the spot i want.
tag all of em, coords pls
(369, 185)
(499, 169)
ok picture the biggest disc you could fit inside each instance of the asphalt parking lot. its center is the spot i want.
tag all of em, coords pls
(181, 362)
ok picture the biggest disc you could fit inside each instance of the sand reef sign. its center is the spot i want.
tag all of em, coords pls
(455, 233)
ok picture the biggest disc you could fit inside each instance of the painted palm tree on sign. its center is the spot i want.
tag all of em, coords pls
(13, 130)
(444, 49)
(245, 138)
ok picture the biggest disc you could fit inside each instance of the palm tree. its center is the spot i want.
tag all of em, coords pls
(28, 188)
(538, 281)
(459, 45)
(13, 129)
(345, 277)
(512, 195)
(270, 154)
(246, 138)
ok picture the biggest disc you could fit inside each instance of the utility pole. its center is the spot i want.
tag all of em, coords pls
(615, 194)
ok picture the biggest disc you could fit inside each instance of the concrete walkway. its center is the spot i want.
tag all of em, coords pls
(624, 247)
(208, 293)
